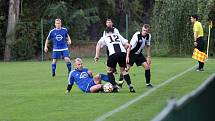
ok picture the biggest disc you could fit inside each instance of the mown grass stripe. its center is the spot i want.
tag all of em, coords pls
(108, 114)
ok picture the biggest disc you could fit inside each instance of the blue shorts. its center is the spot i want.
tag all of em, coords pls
(58, 54)
(87, 90)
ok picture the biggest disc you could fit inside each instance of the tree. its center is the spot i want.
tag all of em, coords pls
(13, 17)
(3, 25)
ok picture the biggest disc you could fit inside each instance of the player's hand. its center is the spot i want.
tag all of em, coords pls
(90, 73)
(69, 42)
(46, 49)
(148, 60)
(195, 43)
(96, 59)
(126, 69)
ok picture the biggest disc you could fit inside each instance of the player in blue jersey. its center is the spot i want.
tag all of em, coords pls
(60, 38)
(84, 79)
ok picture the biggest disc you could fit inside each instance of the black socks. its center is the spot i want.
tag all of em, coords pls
(147, 76)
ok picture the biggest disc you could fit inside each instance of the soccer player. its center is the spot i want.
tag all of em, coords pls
(84, 78)
(138, 42)
(109, 23)
(198, 38)
(60, 38)
(117, 54)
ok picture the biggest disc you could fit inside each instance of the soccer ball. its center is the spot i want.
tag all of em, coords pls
(108, 87)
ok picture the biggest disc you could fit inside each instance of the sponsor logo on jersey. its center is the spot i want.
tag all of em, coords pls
(59, 37)
(83, 75)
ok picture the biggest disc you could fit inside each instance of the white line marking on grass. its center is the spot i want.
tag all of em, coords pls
(108, 114)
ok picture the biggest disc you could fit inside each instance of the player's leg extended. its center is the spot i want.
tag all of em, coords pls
(121, 80)
(54, 62)
(94, 85)
(68, 63)
(111, 65)
(55, 55)
(126, 69)
(104, 77)
(147, 74)
(96, 88)
(111, 75)
(67, 60)
(127, 78)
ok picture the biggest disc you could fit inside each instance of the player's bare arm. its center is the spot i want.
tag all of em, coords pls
(128, 52)
(195, 38)
(69, 41)
(98, 46)
(46, 45)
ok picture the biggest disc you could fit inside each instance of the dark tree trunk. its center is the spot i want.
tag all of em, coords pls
(121, 11)
(147, 10)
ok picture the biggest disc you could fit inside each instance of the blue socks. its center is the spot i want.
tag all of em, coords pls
(104, 77)
(69, 65)
(53, 69)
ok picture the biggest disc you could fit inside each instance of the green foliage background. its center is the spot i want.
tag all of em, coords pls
(171, 28)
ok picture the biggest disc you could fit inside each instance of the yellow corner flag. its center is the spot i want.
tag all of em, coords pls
(198, 55)
(209, 34)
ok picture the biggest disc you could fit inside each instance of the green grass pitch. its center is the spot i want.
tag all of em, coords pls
(28, 92)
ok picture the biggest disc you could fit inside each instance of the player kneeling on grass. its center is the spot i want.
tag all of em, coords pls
(84, 79)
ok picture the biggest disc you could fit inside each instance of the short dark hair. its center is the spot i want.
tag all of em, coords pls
(109, 30)
(195, 16)
(147, 26)
(108, 19)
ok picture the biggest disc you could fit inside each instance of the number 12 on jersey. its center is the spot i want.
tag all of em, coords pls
(114, 39)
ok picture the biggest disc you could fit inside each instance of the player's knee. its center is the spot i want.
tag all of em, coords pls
(95, 88)
(54, 61)
(97, 79)
(146, 66)
(97, 76)
(67, 59)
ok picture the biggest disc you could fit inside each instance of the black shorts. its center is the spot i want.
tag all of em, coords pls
(119, 58)
(136, 58)
(200, 44)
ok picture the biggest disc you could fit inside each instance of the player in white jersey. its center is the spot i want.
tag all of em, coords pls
(109, 23)
(138, 42)
(117, 54)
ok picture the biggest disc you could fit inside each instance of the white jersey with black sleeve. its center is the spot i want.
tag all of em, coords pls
(114, 43)
(138, 42)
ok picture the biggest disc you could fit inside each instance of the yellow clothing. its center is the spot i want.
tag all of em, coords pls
(197, 27)
(198, 55)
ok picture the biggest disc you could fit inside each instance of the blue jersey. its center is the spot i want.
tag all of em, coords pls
(58, 37)
(81, 78)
